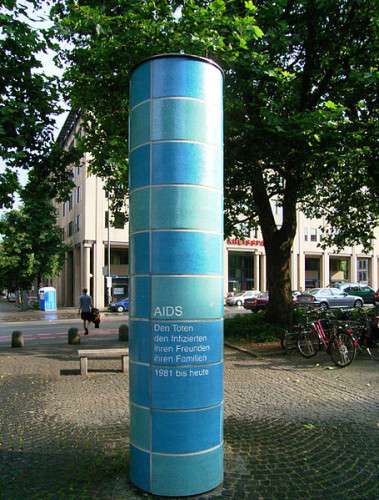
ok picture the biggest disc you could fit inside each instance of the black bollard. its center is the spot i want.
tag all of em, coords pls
(123, 333)
(17, 339)
(73, 336)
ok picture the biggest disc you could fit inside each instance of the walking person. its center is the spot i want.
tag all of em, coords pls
(85, 309)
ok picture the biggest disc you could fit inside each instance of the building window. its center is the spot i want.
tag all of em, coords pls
(305, 234)
(106, 218)
(70, 228)
(363, 264)
(62, 233)
(78, 170)
(119, 257)
(77, 223)
(313, 234)
(78, 194)
(70, 202)
(64, 208)
(255, 233)
(363, 270)
(241, 271)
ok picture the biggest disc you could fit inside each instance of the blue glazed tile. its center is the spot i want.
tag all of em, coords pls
(139, 303)
(140, 84)
(139, 210)
(194, 474)
(187, 297)
(139, 384)
(188, 431)
(139, 341)
(139, 167)
(174, 343)
(183, 119)
(174, 208)
(182, 252)
(187, 163)
(140, 468)
(140, 125)
(140, 427)
(186, 77)
(139, 261)
(179, 388)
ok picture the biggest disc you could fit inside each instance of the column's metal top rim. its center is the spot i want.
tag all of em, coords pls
(174, 54)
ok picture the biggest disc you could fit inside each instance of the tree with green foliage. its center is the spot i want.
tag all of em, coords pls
(29, 102)
(301, 106)
(32, 247)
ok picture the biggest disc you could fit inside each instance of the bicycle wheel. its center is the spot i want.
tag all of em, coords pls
(374, 349)
(343, 349)
(308, 343)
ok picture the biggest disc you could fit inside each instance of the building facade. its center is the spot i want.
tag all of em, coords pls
(85, 217)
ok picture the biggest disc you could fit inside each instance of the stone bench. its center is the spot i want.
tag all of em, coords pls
(84, 355)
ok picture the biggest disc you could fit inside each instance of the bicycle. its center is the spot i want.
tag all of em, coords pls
(338, 342)
(366, 337)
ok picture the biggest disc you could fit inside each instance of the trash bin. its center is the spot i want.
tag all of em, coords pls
(47, 298)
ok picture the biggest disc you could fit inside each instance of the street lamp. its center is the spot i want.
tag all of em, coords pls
(109, 277)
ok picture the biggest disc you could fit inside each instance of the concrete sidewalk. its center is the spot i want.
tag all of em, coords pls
(294, 428)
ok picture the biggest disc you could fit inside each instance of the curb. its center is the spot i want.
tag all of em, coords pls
(40, 321)
(254, 354)
(241, 349)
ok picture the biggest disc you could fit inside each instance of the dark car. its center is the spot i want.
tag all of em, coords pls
(329, 298)
(260, 302)
(256, 303)
(119, 306)
(366, 292)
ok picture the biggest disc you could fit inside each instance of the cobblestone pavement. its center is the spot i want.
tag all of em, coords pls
(294, 428)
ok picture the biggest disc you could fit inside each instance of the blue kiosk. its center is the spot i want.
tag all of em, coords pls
(176, 275)
(47, 298)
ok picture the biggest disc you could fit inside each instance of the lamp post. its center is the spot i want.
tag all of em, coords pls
(109, 277)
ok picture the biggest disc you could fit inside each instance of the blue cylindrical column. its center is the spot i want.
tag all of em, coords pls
(176, 275)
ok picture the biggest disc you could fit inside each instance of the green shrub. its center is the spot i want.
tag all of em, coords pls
(252, 327)
(302, 315)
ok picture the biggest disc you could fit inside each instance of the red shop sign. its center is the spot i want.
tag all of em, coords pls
(248, 243)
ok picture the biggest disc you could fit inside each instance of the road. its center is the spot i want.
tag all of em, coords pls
(47, 329)
(40, 331)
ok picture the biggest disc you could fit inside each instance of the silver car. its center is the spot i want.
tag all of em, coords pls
(329, 298)
(239, 298)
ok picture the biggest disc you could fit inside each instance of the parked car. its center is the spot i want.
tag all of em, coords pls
(260, 302)
(11, 297)
(256, 303)
(295, 294)
(329, 298)
(239, 298)
(366, 292)
(119, 306)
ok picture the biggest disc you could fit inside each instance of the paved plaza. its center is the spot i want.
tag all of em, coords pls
(294, 428)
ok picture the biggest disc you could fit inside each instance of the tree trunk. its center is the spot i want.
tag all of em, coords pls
(278, 244)
(24, 300)
(278, 257)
